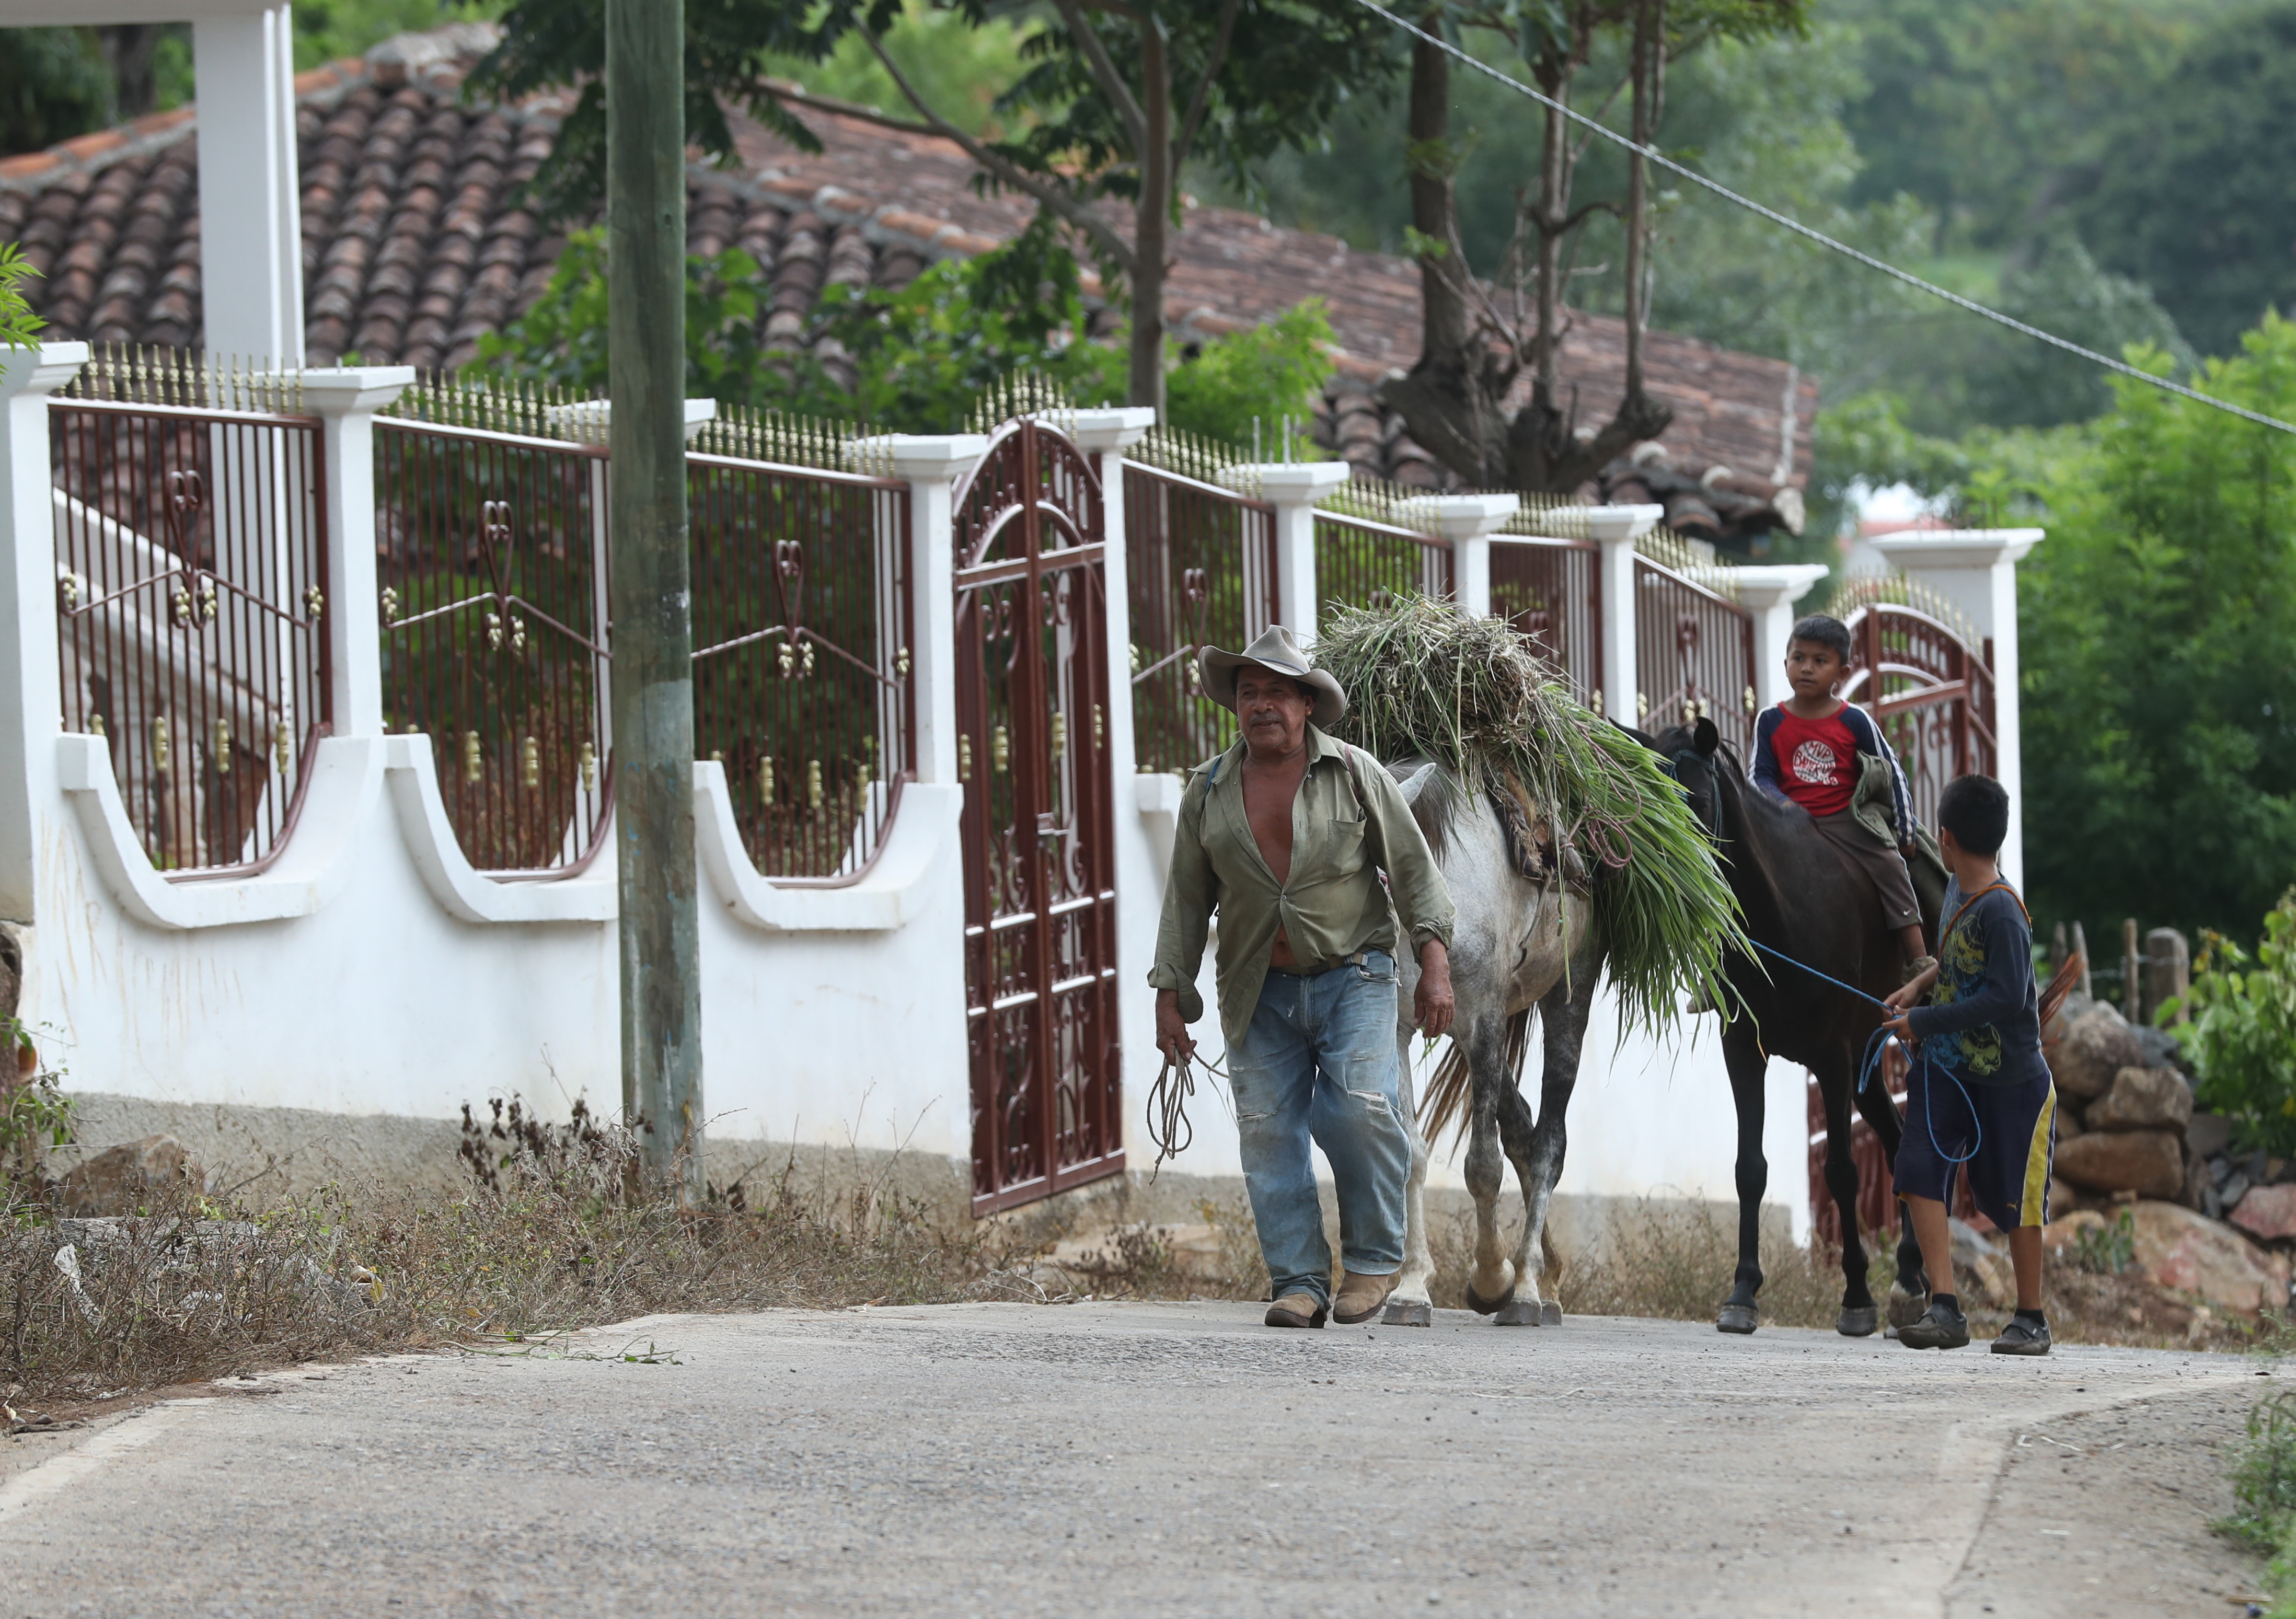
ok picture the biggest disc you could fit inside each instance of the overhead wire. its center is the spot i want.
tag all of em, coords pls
(1971, 305)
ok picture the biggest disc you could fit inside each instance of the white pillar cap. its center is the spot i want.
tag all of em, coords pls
(1958, 547)
(1610, 524)
(920, 457)
(337, 390)
(1770, 583)
(1291, 482)
(1116, 429)
(1463, 516)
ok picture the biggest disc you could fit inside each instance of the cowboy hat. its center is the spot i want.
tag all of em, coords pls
(1277, 652)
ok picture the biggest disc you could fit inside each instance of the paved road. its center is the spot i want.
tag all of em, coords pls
(1152, 1459)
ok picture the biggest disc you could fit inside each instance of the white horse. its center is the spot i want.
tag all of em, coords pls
(1525, 939)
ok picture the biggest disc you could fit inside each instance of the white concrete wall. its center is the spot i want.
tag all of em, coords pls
(371, 970)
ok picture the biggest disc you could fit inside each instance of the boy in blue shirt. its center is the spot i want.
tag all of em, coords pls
(1978, 1097)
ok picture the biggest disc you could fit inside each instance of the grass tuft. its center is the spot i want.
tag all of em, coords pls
(1425, 680)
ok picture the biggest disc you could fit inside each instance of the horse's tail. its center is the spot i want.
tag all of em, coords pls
(1444, 1108)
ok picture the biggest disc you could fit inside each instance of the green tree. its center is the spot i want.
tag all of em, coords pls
(1475, 342)
(2201, 184)
(54, 84)
(1112, 103)
(2158, 627)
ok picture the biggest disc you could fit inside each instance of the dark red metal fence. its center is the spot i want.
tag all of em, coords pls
(1929, 691)
(1552, 592)
(1037, 828)
(802, 681)
(1203, 567)
(191, 589)
(1360, 563)
(1694, 654)
(493, 579)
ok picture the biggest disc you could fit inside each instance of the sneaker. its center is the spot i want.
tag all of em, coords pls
(1304, 1310)
(1941, 1327)
(2022, 1337)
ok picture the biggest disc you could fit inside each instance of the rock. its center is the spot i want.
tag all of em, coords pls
(1986, 1267)
(2192, 1253)
(2209, 1133)
(2150, 1163)
(2159, 1047)
(131, 1178)
(2198, 1187)
(2097, 1044)
(2234, 1187)
(2060, 1234)
(2143, 1098)
(2267, 1213)
(2069, 1121)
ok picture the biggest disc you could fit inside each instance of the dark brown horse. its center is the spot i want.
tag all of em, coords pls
(1805, 901)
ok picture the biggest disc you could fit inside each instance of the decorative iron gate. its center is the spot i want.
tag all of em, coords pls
(1039, 858)
(1930, 691)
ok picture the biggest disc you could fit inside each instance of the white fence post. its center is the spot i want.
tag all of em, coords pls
(1976, 570)
(931, 466)
(1769, 592)
(1294, 488)
(250, 215)
(31, 713)
(1105, 435)
(1468, 521)
(346, 398)
(1617, 528)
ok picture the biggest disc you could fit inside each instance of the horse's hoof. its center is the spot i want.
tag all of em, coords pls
(1407, 1313)
(1550, 1314)
(1521, 1313)
(1906, 1308)
(1858, 1323)
(1481, 1305)
(1741, 1319)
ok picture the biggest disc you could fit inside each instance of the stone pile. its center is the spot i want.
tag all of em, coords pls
(2123, 1108)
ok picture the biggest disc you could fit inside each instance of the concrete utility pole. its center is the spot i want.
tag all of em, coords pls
(653, 626)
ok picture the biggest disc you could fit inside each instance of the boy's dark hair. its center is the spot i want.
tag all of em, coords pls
(1825, 629)
(1975, 809)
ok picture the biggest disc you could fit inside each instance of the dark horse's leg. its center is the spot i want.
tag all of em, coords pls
(1859, 1317)
(1907, 1297)
(1536, 1148)
(1742, 1055)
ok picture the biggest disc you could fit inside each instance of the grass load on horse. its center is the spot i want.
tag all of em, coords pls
(1568, 851)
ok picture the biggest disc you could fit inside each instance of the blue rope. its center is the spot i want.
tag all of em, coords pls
(1877, 1043)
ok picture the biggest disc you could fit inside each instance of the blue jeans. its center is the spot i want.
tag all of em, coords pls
(1320, 1059)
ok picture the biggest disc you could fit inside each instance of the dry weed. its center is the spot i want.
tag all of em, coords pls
(548, 1238)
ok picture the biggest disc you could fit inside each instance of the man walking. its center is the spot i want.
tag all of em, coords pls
(1286, 835)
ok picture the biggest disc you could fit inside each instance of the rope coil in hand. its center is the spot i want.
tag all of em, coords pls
(1168, 1108)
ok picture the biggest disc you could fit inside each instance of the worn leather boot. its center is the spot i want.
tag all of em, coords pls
(1360, 1297)
(1296, 1309)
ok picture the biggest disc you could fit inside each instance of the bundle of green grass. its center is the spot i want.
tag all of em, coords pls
(1425, 680)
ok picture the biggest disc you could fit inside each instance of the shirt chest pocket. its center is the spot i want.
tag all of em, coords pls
(1343, 842)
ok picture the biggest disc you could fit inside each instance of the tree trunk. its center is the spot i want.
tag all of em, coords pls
(1647, 22)
(127, 48)
(1446, 398)
(1554, 210)
(1152, 221)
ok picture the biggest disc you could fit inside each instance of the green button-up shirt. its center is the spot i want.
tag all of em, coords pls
(1347, 827)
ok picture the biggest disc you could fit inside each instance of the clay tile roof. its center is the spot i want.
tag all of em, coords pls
(413, 246)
